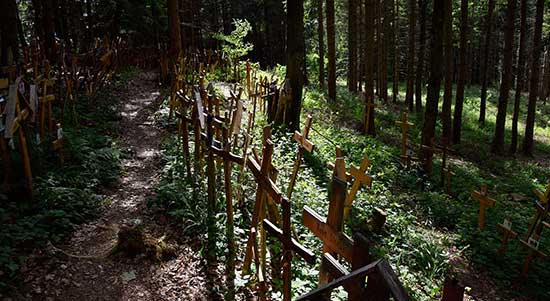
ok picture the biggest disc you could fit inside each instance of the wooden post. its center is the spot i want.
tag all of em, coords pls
(484, 201)
(211, 174)
(303, 145)
(404, 125)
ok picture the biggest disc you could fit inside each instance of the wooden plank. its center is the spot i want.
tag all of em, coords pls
(335, 240)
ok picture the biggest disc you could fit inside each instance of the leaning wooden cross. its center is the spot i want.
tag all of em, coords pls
(267, 187)
(507, 233)
(484, 201)
(404, 125)
(303, 145)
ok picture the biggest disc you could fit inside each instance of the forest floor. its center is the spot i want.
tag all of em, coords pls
(85, 269)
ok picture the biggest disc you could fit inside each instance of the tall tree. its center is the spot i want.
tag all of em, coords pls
(434, 82)
(352, 45)
(520, 78)
(320, 36)
(423, 6)
(528, 143)
(175, 29)
(331, 41)
(410, 58)
(462, 72)
(8, 32)
(448, 92)
(295, 58)
(383, 50)
(395, 88)
(498, 141)
(369, 68)
(485, 60)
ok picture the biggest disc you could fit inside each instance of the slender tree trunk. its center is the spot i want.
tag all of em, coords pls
(520, 79)
(320, 35)
(448, 94)
(396, 39)
(411, 55)
(175, 29)
(423, 4)
(485, 61)
(434, 82)
(528, 143)
(295, 58)
(331, 41)
(462, 70)
(385, 41)
(352, 45)
(545, 86)
(369, 68)
(498, 140)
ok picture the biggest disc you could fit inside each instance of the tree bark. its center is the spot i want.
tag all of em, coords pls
(352, 45)
(498, 141)
(8, 32)
(331, 41)
(485, 60)
(175, 28)
(411, 55)
(423, 4)
(448, 93)
(369, 68)
(396, 39)
(528, 143)
(434, 82)
(320, 35)
(295, 58)
(462, 70)
(385, 40)
(520, 79)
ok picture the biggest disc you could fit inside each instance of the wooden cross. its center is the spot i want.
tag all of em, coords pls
(448, 173)
(57, 144)
(484, 201)
(431, 150)
(369, 114)
(532, 246)
(404, 125)
(303, 145)
(267, 187)
(542, 211)
(361, 177)
(507, 233)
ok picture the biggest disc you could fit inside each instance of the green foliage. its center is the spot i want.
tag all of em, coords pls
(234, 46)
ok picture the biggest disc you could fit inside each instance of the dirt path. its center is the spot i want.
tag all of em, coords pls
(90, 275)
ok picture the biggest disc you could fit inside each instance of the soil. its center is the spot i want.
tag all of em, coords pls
(90, 272)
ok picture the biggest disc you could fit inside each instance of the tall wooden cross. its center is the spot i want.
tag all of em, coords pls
(484, 201)
(404, 125)
(303, 145)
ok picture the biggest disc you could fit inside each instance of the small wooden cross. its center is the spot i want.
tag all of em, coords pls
(532, 246)
(484, 201)
(507, 233)
(542, 211)
(303, 145)
(404, 125)
(369, 114)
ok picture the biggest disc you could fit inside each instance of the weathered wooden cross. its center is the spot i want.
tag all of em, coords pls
(303, 145)
(542, 212)
(484, 201)
(404, 125)
(507, 233)
(532, 246)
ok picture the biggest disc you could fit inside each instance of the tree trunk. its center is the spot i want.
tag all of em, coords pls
(352, 45)
(295, 58)
(498, 140)
(275, 17)
(385, 40)
(448, 94)
(485, 61)
(369, 68)
(528, 144)
(520, 79)
(396, 39)
(434, 82)
(462, 70)
(8, 32)
(421, 54)
(320, 35)
(545, 86)
(175, 29)
(410, 58)
(331, 41)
